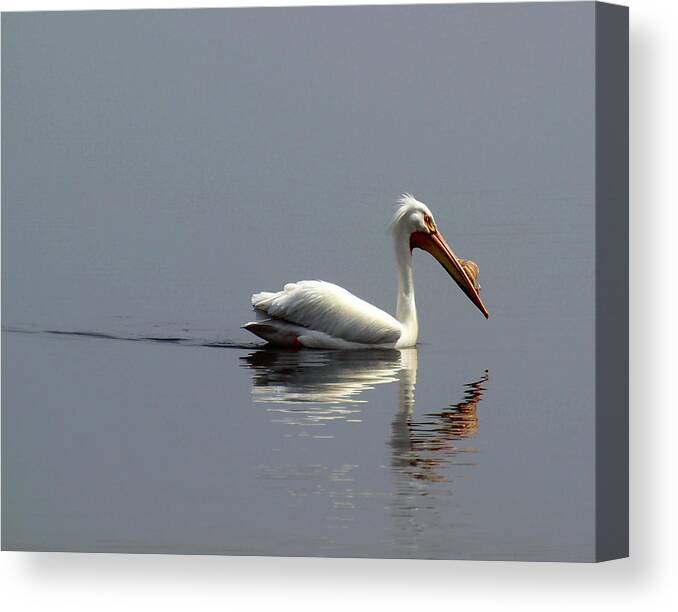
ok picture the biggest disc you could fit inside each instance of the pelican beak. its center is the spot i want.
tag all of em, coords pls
(460, 270)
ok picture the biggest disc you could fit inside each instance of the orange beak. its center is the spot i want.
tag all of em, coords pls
(435, 244)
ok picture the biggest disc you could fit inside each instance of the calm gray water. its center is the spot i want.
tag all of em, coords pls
(159, 167)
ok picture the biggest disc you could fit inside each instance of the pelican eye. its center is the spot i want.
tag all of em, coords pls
(430, 223)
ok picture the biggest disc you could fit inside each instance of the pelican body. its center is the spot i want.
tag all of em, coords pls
(318, 314)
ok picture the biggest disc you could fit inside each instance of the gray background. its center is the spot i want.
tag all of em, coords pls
(158, 167)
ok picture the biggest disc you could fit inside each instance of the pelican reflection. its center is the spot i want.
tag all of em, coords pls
(423, 444)
(323, 377)
(319, 387)
(318, 393)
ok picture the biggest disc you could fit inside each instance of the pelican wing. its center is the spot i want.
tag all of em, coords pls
(328, 308)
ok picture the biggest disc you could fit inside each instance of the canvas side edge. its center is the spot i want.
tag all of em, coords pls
(612, 282)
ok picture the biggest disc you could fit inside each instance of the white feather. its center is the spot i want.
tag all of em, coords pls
(407, 205)
(328, 312)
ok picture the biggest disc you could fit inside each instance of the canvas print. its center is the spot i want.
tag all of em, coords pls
(213, 224)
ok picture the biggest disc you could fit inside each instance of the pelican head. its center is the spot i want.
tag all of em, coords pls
(414, 222)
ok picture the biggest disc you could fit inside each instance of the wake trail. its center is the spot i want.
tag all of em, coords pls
(159, 339)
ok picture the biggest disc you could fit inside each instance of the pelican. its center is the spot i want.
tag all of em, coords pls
(318, 314)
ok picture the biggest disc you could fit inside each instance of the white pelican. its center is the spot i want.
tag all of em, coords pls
(317, 314)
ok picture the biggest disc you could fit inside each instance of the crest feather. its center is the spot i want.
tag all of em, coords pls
(405, 204)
